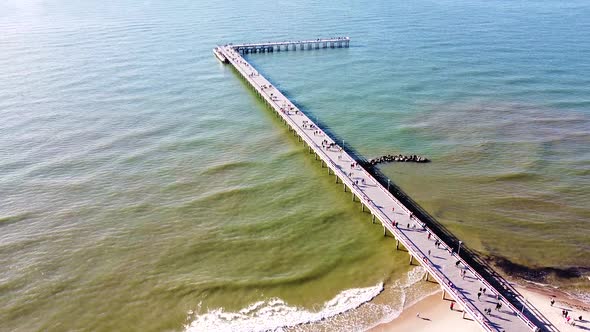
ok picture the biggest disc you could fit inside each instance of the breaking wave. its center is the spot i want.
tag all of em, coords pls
(276, 315)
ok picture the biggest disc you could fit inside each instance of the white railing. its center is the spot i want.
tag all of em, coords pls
(518, 312)
(293, 42)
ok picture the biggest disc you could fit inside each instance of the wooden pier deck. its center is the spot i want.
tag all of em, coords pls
(440, 262)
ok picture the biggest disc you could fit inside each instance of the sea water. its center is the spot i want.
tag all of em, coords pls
(143, 186)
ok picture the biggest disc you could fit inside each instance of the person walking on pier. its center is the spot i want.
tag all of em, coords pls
(452, 305)
(478, 295)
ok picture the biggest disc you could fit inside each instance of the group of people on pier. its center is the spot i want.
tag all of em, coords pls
(329, 145)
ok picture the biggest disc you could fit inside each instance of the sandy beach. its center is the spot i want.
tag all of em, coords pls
(434, 314)
(429, 314)
(541, 299)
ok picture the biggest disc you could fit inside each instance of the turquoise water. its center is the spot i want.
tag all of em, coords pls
(144, 187)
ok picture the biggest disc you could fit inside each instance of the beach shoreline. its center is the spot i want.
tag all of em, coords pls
(427, 314)
(432, 312)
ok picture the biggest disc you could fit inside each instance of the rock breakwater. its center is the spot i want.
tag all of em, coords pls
(399, 158)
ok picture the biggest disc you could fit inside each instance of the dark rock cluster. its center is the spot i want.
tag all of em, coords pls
(399, 158)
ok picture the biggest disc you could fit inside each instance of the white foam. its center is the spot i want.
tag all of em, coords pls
(414, 276)
(275, 314)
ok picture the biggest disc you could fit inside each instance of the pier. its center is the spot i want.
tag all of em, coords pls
(442, 263)
(337, 42)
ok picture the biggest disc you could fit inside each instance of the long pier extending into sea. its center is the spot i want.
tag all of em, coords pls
(458, 280)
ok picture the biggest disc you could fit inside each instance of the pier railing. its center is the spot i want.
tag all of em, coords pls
(293, 44)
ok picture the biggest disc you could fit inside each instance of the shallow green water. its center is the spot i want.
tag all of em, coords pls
(142, 185)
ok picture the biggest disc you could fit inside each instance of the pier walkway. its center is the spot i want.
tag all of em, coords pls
(336, 42)
(440, 262)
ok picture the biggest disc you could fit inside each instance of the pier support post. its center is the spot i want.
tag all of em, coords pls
(396, 244)
(373, 219)
(463, 316)
(426, 276)
(353, 197)
(344, 184)
(362, 207)
(411, 259)
(444, 294)
(384, 231)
